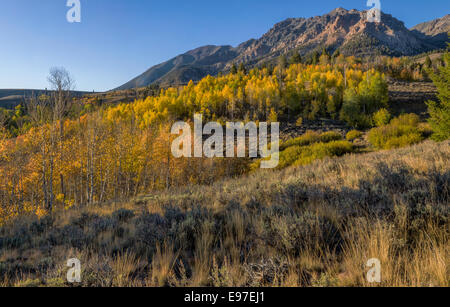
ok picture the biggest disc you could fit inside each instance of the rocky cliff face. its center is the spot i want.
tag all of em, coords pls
(346, 30)
(339, 29)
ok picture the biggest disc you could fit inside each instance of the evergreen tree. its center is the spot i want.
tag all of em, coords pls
(440, 111)
(295, 59)
(315, 58)
(234, 69)
(428, 62)
(282, 62)
(242, 69)
(336, 54)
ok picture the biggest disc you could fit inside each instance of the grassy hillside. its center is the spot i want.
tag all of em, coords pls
(117, 152)
(314, 225)
(9, 98)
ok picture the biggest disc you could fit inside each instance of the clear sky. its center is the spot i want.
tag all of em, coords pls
(119, 39)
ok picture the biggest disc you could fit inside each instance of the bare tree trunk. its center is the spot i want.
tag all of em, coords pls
(44, 177)
(91, 175)
(62, 83)
(168, 165)
(50, 205)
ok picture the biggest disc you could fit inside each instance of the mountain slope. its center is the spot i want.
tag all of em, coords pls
(435, 27)
(346, 30)
(192, 65)
(436, 31)
(390, 203)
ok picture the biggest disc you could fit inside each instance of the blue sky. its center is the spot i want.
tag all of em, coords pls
(119, 39)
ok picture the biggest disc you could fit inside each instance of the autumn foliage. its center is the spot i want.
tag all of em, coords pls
(124, 150)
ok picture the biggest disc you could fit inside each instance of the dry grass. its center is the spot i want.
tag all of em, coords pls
(163, 263)
(124, 267)
(315, 225)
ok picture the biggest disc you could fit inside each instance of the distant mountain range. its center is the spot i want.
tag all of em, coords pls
(345, 30)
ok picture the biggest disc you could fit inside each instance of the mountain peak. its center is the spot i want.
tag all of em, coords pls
(346, 30)
(339, 10)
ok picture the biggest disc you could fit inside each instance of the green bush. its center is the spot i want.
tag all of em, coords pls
(330, 136)
(311, 137)
(337, 148)
(353, 135)
(402, 131)
(382, 117)
(406, 120)
(290, 155)
(322, 150)
(302, 155)
(404, 140)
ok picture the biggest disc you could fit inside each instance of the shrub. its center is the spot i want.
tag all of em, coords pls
(83, 220)
(289, 156)
(102, 224)
(321, 150)
(382, 117)
(353, 135)
(402, 131)
(302, 155)
(40, 226)
(404, 140)
(151, 229)
(123, 215)
(299, 122)
(412, 120)
(335, 148)
(292, 233)
(310, 137)
(330, 136)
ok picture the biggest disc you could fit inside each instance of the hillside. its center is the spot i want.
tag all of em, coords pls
(306, 226)
(346, 30)
(317, 155)
(130, 140)
(437, 27)
(9, 98)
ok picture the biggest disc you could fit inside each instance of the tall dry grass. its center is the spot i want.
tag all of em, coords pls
(316, 225)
